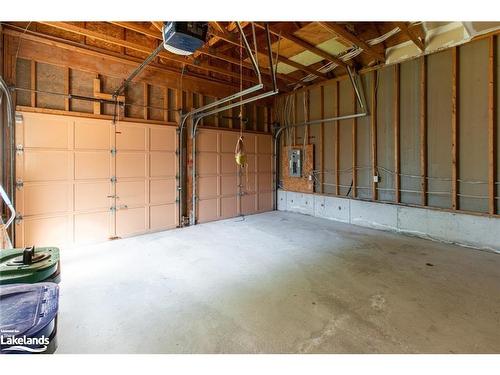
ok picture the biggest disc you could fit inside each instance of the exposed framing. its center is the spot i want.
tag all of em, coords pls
(397, 163)
(337, 140)
(373, 126)
(454, 129)
(491, 127)
(423, 130)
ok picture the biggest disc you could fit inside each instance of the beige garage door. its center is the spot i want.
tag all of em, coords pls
(86, 180)
(219, 178)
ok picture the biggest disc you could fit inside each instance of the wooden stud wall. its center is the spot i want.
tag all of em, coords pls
(491, 127)
(454, 130)
(420, 187)
(423, 130)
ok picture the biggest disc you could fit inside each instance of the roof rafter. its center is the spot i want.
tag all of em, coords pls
(232, 40)
(204, 50)
(310, 47)
(351, 38)
(405, 29)
(141, 48)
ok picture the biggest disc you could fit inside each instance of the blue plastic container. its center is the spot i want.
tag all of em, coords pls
(28, 318)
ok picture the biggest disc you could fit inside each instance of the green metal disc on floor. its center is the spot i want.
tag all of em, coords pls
(29, 265)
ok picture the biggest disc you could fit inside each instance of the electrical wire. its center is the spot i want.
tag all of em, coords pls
(349, 55)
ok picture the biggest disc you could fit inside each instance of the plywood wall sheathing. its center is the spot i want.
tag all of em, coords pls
(304, 183)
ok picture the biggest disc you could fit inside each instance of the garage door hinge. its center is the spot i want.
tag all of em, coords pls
(113, 151)
(19, 218)
(113, 179)
(120, 207)
(19, 118)
(19, 184)
(19, 149)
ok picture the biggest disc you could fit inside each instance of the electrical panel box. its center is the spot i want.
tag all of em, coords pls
(295, 163)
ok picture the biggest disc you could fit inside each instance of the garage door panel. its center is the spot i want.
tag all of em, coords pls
(47, 165)
(131, 221)
(92, 227)
(131, 193)
(47, 198)
(67, 167)
(252, 163)
(92, 196)
(47, 132)
(206, 141)
(225, 188)
(130, 165)
(208, 210)
(249, 182)
(264, 144)
(48, 231)
(163, 164)
(248, 204)
(131, 137)
(163, 139)
(93, 135)
(228, 164)
(228, 141)
(162, 217)
(92, 165)
(229, 185)
(265, 201)
(265, 163)
(208, 186)
(208, 163)
(250, 142)
(162, 191)
(265, 181)
(229, 207)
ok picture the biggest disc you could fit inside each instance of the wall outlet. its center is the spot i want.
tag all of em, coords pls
(375, 178)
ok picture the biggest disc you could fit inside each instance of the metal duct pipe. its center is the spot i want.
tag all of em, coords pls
(361, 99)
(11, 126)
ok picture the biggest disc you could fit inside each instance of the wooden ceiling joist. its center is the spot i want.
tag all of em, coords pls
(233, 40)
(308, 46)
(158, 25)
(351, 38)
(134, 26)
(205, 50)
(406, 30)
(141, 48)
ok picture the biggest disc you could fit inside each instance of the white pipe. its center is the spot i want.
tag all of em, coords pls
(7, 201)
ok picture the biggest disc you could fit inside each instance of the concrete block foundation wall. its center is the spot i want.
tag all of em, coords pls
(475, 231)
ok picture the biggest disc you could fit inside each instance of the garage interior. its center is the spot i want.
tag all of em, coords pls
(284, 187)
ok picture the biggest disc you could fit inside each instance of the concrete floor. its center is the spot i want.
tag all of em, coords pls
(278, 283)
